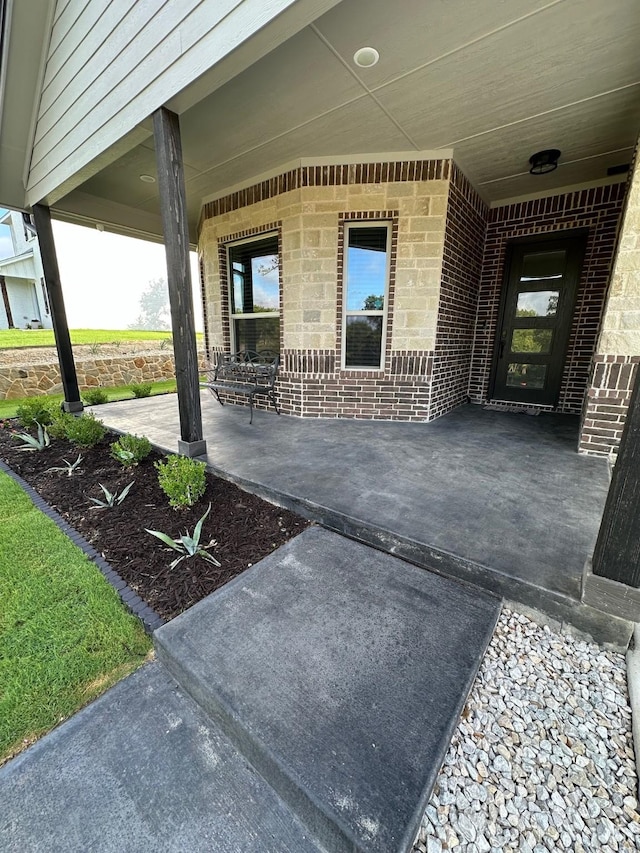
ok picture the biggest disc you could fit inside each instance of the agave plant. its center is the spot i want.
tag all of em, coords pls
(69, 467)
(187, 546)
(111, 500)
(38, 442)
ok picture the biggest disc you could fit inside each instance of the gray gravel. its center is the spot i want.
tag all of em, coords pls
(543, 757)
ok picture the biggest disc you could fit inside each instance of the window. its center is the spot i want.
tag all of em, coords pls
(255, 294)
(365, 298)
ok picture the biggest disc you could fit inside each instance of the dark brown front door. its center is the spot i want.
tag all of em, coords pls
(537, 309)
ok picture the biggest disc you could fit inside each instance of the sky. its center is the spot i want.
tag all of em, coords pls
(103, 275)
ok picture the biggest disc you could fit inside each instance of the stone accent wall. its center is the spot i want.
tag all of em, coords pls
(464, 239)
(596, 209)
(615, 366)
(308, 208)
(30, 380)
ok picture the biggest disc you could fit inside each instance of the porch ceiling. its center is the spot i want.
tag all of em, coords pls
(494, 81)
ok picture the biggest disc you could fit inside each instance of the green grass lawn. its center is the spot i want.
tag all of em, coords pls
(64, 634)
(12, 338)
(120, 392)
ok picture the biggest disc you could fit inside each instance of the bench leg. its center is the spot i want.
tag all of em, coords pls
(214, 391)
(272, 397)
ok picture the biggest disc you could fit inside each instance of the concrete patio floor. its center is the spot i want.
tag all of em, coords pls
(496, 499)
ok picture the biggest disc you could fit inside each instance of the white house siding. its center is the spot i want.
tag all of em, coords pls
(24, 276)
(110, 65)
(23, 303)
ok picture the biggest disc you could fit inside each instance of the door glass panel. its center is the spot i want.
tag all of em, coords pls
(537, 303)
(543, 265)
(526, 375)
(531, 340)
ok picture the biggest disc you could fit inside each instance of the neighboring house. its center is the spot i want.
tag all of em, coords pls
(379, 223)
(24, 303)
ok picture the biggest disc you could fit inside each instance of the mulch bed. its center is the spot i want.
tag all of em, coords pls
(244, 527)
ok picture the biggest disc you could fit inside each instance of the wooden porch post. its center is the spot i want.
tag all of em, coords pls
(42, 220)
(173, 208)
(617, 552)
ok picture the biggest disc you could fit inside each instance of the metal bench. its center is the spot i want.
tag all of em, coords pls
(246, 372)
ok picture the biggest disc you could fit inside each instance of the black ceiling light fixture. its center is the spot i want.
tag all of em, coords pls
(544, 161)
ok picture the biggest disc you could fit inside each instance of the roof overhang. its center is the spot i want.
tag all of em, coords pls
(493, 82)
(24, 40)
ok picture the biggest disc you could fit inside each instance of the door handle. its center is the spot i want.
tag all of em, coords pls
(502, 345)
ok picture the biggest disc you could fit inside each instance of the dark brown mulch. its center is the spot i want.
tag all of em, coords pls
(244, 527)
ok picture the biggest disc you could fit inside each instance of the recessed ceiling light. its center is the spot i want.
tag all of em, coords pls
(147, 179)
(366, 57)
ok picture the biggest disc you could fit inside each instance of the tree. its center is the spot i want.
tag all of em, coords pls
(374, 303)
(155, 314)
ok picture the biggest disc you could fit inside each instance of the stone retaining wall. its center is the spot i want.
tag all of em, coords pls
(31, 380)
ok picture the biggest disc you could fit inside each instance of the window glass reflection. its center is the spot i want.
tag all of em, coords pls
(531, 340)
(257, 334)
(537, 303)
(255, 294)
(543, 265)
(266, 284)
(526, 375)
(366, 269)
(363, 341)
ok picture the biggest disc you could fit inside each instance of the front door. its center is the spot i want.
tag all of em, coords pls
(537, 309)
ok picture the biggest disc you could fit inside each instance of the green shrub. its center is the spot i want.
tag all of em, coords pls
(181, 479)
(141, 389)
(36, 410)
(95, 396)
(60, 421)
(85, 431)
(130, 449)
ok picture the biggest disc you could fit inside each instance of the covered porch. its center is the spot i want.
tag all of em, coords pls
(497, 499)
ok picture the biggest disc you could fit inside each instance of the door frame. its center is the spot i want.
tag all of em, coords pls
(580, 235)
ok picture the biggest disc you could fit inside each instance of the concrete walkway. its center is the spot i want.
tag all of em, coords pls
(306, 706)
(500, 500)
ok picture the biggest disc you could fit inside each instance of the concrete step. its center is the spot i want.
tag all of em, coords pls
(142, 768)
(340, 673)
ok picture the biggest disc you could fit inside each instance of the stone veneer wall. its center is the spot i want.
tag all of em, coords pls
(30, 380)
(308, 207)
(615, 365)
(597, 209)
(461, 268)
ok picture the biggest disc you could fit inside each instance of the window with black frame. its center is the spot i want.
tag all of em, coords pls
(254, 268)
(366, 285)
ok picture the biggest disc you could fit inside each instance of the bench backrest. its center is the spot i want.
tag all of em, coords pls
(255, 368)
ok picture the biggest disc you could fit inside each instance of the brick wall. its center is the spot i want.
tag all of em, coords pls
(309, 208)
(607, 403)
(596, 209)
(461, 268)
(447, 277)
